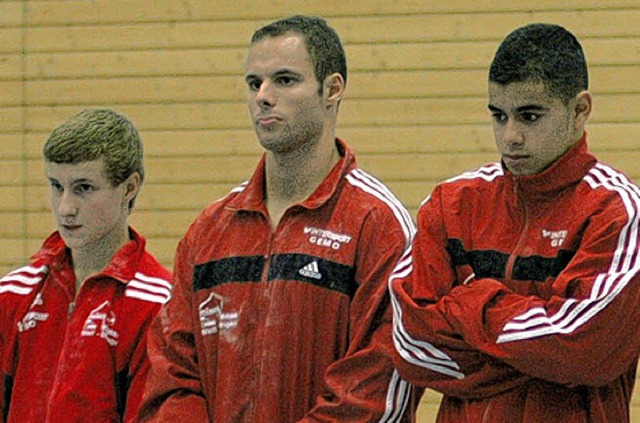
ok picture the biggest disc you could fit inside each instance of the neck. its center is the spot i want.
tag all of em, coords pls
(294, 176)
(93, 259)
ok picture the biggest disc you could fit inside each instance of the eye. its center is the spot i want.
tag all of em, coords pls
(499, 117)
(83, 189)
(286, 80)
(530, 117)
(254, 84)
(55, 186)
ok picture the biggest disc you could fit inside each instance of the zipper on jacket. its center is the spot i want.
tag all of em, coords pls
(523, 230)
(63, 347)
(262, 312)
(50, 393)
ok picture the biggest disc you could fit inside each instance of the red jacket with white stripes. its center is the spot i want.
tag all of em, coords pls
(82, 361)
(287, 325)
(521, 298)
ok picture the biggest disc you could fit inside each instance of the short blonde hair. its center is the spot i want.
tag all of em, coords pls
(94, 134)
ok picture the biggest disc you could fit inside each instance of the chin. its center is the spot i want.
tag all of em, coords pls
(266, 141)
(72, 242)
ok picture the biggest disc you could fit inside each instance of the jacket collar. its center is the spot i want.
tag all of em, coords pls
(568, 170)
(253, 193)
(122, 267)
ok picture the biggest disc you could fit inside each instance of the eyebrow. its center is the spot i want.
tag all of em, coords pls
(525, 108)
(277, 73)
(75, 181)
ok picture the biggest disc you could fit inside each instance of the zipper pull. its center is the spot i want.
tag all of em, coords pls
(72, 306)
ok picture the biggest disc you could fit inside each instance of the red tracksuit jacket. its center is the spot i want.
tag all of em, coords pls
(521, 298)
(284, 326)
(68, 362)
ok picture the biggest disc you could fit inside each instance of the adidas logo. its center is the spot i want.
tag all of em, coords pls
(311, 271)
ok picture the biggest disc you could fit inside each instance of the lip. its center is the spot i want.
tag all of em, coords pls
(516, 157)
(268, 120)
(71, 228)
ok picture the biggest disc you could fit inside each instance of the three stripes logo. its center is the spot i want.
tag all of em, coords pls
(311, 270)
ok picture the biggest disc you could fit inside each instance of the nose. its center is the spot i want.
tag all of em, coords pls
(67, 205)
(512, 135)
(265, 96)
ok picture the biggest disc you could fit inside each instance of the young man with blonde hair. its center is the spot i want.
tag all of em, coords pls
(73, 321)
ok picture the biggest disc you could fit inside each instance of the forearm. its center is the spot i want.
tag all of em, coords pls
(363, 387)
(560, 340)
(429, 354)
(173, 389)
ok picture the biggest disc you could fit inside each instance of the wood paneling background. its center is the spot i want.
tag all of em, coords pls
(415, 109)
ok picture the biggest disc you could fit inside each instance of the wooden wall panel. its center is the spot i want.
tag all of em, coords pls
(11, 40)
(135, 63)
(12, 175)
(415, 109)
(13, 224)
(189, 142)
(10, 146)
(10, 250)
(11, 13)
(360, 29)
(10, 65)
(11, 121)
(60, 12)
(141, 90)
(10, 93)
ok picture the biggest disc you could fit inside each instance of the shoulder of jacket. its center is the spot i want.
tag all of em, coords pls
(24, 280)
(487, 173)
(152, 287)
(380, 201)
(472, 182)
(370, 188)
(611, 191)
(612, 180)
(219, 205)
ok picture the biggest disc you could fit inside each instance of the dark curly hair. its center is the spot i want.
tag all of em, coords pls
(544, 53)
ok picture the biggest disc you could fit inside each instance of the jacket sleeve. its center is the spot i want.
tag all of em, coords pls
(4, 377)
(173, 391)
(590, 321)
(10, 307)
(138, 373)
(363, 386)
(428, 352)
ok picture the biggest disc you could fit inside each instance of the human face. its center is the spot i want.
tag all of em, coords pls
(532, 128)
(284, 99)
(89, 212)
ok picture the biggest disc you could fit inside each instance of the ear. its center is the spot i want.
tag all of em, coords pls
(584, 108)
(132, 187)
(333, 89)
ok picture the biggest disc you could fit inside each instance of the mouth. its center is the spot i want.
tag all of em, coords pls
(70, 228)
(268, 120)
(515, 157)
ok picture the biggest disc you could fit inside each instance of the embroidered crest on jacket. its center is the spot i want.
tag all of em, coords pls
(557, 237)
(325, 238)
(100, 323)
(30, 320)
(212, 315)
